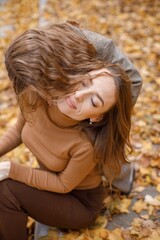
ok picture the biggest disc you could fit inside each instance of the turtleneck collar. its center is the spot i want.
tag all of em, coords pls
(58, 118)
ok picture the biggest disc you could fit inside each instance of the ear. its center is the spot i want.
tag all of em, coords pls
(96, 119)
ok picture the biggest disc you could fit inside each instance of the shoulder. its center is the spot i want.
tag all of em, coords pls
(98, 40)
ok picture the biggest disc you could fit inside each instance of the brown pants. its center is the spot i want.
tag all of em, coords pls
(75, 210)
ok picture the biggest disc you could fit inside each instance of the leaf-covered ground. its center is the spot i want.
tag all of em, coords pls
(135, 27)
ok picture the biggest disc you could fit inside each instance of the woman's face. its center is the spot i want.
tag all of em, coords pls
(92, 99)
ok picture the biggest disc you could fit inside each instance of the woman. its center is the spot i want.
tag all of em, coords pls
(75, 118)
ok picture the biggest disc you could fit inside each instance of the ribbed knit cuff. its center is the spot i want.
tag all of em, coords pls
(19, 172)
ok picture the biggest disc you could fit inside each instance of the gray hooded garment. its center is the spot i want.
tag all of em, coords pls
(107, 50)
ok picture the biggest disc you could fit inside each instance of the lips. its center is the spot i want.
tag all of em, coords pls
(70, 102)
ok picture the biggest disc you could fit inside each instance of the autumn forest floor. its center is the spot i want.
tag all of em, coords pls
(134, 25)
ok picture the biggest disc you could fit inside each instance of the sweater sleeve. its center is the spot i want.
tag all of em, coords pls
(12, 138)
(79, 166)
(107, 50)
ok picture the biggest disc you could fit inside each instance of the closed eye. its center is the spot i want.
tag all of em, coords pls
(97, 101)
(93, 104)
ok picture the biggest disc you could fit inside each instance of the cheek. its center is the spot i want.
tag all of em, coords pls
(87, 112)
(62, 106)
(86, 107)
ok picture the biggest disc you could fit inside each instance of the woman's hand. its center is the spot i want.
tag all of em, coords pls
(4, 170)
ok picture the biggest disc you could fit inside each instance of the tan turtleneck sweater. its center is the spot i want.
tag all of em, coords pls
(66, 157)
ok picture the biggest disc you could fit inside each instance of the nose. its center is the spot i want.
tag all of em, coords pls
(81, 95)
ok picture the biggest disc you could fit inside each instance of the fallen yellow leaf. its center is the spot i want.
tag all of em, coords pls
(158, 188)
(152, 201)
(139, 206)
(116, 234)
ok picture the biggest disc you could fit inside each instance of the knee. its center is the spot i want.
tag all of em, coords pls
(84, 223)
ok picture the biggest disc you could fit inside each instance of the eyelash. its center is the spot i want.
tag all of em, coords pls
(93, 104)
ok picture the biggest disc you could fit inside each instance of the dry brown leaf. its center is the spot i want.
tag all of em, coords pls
(139, 206)
(152, 201)
(158, 187)
(116, 234)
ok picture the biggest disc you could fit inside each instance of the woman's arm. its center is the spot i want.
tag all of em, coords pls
(12, 138)
(80, 165)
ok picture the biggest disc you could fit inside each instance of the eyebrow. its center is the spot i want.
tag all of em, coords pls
(101, 99)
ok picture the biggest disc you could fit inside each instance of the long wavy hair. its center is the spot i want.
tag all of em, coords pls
(110, 136)
(51, 63)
